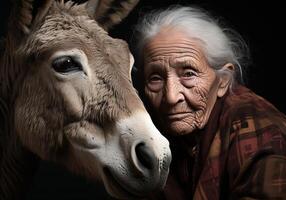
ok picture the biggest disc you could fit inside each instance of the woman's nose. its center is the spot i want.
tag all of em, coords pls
(173, 91)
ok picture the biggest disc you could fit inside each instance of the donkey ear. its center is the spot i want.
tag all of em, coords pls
(23, 14)
(110, 12)
(42, 10)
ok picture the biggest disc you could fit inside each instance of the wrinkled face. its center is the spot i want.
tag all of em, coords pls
(76, 105)
(179, 83)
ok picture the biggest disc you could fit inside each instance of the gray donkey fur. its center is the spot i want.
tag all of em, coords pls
(67, 97)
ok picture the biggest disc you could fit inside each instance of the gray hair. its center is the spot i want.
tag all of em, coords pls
(220, 45)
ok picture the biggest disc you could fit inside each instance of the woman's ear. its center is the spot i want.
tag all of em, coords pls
(225, 77)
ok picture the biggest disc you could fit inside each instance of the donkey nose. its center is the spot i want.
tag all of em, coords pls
(143, 157)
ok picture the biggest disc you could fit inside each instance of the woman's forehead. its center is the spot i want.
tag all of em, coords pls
(172, 43)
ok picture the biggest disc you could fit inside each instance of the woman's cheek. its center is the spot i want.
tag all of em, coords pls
(154, 98)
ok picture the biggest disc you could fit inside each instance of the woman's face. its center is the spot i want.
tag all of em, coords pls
(179, 83)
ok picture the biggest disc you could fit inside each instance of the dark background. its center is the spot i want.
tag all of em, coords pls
(260, 23)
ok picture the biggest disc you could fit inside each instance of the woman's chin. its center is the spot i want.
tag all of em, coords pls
(179, 128)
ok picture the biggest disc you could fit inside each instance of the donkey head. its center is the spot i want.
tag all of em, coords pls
(73, 98)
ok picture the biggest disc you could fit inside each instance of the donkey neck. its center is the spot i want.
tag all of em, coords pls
(9, 67)
(17, 167)
(17, 164)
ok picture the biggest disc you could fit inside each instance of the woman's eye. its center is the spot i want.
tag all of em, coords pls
(188, 73)
(155, 78)
(155, 82)
(66, 64)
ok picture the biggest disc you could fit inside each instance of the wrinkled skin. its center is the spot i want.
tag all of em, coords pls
(179, 83)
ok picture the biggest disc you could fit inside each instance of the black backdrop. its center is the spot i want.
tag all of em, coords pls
(260, 23)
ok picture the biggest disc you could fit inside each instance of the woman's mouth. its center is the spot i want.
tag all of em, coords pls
(177, 115)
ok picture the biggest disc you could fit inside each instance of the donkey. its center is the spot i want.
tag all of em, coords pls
(67, 97)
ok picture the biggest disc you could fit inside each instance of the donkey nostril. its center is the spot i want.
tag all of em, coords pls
(145, 156)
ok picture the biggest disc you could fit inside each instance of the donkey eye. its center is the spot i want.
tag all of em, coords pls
(66, 64)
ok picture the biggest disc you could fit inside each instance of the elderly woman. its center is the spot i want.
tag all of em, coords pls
(227, 142)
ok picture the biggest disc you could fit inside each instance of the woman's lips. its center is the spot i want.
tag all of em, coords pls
(177, 116)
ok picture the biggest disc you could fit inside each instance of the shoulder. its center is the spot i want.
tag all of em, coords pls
(242, 102)
(254, 129)
(245, 113)
(253, 123)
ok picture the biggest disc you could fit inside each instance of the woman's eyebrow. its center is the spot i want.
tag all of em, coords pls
(155, 67)
(184, 63)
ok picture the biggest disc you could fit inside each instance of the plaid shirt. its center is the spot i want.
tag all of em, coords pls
(241, 153)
